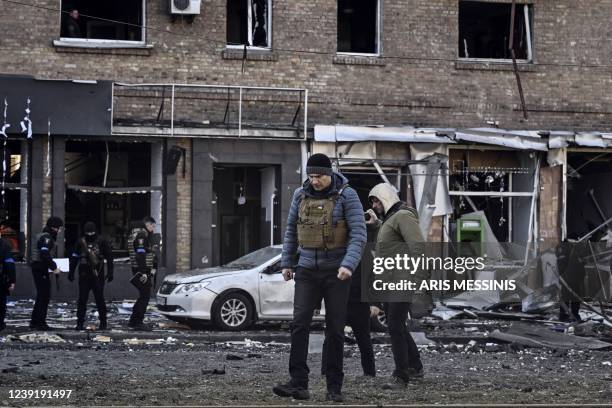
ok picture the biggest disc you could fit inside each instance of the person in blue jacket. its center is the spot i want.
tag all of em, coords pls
(324, 241)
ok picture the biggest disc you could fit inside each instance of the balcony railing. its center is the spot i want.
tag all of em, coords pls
(186, 110)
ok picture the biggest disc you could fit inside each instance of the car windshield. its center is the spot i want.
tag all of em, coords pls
(254, 258)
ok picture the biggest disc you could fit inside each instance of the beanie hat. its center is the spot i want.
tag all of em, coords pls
(319, 164)
(148, 219)
(89, 228)
(55, 222)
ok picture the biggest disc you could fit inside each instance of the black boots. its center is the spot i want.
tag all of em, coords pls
(291, 389)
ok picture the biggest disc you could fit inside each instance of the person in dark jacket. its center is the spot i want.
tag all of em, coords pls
(144, 264)
(358, 315)
(72, 27)
(399, 226)
(7, 277)
(42, 265)
(88, 257)
(323, 244)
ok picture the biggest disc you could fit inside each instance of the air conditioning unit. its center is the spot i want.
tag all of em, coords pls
(186, 7)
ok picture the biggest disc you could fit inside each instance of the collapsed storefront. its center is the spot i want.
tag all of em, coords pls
(504, 190)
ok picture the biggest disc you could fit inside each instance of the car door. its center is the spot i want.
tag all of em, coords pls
(275, 294)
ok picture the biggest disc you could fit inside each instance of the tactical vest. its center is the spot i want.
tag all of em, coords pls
(91, 255)
(315, 223)
(149, 255)
(36, 251)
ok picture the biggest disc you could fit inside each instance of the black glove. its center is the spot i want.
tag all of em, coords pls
(71, 276)
(109, 277)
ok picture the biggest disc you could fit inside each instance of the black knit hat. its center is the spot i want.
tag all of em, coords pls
(319, 164)
(89, 228)
(55, 222)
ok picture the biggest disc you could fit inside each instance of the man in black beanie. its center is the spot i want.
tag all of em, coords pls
(325, 237)
(89, 255)
(42, 265)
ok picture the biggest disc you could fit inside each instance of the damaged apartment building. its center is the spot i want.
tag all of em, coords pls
(203, 113)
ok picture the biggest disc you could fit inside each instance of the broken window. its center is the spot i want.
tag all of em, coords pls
(484, 30)
(589, 202)
(111, 20)
(114, 185)
(358, 26)
(493, 184)
(248, 22)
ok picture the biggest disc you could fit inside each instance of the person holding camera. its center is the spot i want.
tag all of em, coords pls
(89, 255)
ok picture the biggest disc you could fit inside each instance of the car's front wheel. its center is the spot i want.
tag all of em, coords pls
(232, 312)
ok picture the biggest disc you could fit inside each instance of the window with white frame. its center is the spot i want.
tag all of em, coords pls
(249, 23)
(109, 20)
(359, 26)
(484, 30)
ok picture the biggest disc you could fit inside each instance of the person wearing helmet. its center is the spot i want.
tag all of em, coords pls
(88, 257)
(397, 225)
(42, 264)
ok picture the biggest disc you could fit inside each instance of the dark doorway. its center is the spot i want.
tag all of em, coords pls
(246, 209)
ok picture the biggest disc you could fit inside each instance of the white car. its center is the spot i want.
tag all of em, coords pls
(232, 296)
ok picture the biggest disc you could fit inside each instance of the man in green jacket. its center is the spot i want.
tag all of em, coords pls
(398, 229)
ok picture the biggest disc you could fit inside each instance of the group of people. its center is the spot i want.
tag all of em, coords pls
(324, 241)
(92, 260)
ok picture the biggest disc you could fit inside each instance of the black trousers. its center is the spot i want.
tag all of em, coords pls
(405, 351)
(89, 282)
(358, 317)
(310, 287)
(569, 310)
(140, 307)
(3, 296)
(42, 281)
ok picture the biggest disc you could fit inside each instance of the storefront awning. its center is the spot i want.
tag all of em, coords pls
(72, 107)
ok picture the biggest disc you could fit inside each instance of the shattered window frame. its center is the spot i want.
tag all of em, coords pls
(84, 41)
(249, 22)
(524, 12)
(512, 191)
(377, 35)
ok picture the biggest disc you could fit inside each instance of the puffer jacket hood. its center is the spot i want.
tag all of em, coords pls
(386, 194)
(338, 180)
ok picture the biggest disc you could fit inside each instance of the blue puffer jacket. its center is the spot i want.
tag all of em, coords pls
(348, 207)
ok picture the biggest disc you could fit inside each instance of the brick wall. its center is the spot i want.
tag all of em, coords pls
(568, 86)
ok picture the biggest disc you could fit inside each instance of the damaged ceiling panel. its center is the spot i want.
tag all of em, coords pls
(541, 140)
(515, 139)
(590, 139)
(341, 133)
